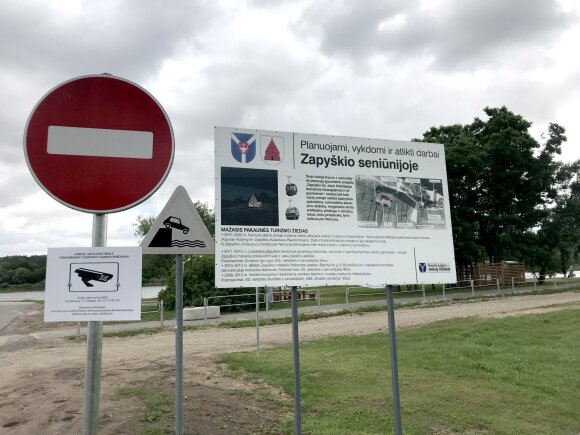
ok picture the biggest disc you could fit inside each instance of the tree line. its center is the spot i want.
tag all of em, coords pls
(510, 197)
(19, 270)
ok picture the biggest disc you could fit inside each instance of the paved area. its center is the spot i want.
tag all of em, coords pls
(10, 310)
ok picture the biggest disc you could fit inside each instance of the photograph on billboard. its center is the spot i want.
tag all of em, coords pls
(295, 209)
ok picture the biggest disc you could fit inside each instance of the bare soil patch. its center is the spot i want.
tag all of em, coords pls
(41, 381)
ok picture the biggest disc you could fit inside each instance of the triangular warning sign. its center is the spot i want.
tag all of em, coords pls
(178, 229)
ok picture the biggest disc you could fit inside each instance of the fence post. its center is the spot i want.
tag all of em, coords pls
(161, 312)
(205, 309)
(267, 304)
(423, 288)
(513, 284)
(346, 294)
(318, 297)
(535, 283)
(444, 297)
(497, 281)
(472, 288)
(555, 281)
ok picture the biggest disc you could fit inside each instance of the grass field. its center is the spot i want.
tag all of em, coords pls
(516, 375)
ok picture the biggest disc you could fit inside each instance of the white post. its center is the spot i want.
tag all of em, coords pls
(472, 288)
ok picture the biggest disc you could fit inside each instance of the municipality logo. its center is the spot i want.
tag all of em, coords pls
(272, 149)
(422, 267)
(243, 147)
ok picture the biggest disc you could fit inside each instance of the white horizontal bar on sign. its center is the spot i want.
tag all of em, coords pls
(99, 142)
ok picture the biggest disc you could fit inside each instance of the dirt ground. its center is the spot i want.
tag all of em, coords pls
(41, 381)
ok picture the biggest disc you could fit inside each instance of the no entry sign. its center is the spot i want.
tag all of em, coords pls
(99, 144)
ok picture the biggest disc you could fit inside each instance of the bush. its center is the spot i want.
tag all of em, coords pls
(198, 282)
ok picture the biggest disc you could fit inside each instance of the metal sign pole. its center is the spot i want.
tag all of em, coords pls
(94, 347)
(179, 344)
(394, 365)
(257, 321)
(297, 397)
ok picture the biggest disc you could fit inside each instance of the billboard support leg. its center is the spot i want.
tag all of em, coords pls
(258, 320)
(394, 364)
(94, 347)
(297, 397)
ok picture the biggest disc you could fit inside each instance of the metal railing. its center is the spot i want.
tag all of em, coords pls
(159, 309)
(263, 298)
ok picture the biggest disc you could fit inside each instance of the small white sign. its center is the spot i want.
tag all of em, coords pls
(93, 284)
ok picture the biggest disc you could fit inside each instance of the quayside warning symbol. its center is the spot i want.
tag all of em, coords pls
(178, 229)
(167, 236)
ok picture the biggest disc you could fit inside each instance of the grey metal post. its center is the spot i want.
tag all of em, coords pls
(267, 305)
(94, 347)
(423, 289)
(398, 426)
(205, 309)
(179, 344)
(472, 288)
(257, 321)
(78, 328)
(346, 295)
(554, 280)
(318, 297)
(295, 343)
(161, 312)
(444, 297)
(497, 282)
(535, 283)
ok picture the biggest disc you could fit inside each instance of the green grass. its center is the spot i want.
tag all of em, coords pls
(157, 415)
(517, 375)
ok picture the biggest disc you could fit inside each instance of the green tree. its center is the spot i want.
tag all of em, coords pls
(20, 269)
(501, 182)
(556, 245)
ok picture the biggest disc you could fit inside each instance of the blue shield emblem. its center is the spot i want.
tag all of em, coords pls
(422, 267)
(243, 147)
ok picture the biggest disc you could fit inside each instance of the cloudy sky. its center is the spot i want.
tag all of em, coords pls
(386, 69)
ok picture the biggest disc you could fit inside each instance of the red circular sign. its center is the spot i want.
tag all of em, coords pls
(99, 144)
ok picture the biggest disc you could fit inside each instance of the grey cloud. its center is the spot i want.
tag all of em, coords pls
(129, 38)
(454, 35)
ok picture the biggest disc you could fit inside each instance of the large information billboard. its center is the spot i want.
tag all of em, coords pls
(296, 209)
